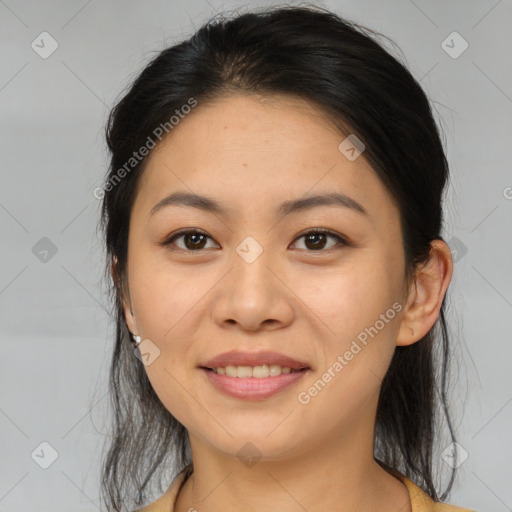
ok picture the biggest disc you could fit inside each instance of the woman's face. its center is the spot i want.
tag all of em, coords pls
(257, 282)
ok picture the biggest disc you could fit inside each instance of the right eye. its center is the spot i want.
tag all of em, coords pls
(193, 239)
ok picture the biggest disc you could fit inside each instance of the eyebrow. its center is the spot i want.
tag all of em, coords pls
(208, 204)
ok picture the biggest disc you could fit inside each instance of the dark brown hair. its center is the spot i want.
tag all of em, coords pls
(342, 69)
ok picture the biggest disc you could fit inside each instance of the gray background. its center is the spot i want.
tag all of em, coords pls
(55, 333)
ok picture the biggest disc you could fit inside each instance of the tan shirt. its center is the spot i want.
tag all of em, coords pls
(421, 502)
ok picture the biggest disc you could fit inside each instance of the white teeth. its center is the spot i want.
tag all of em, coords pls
(243, 371)
(258, 372)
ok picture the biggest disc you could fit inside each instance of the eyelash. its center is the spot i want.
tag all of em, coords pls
(341, 241)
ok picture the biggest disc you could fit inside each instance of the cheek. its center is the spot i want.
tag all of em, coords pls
(359, 321)
(348, 299)
(164, 311)
(163, 297)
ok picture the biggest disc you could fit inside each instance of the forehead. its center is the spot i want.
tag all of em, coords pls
(253, 151)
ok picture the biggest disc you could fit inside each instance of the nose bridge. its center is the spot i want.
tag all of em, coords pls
(251, 270)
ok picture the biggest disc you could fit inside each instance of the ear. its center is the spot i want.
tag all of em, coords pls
(124, 292)
(426, 294)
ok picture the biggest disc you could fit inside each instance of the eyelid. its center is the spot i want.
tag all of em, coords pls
(342, 241)
(185, 231)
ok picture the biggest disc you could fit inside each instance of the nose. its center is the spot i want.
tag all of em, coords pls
(254, 296)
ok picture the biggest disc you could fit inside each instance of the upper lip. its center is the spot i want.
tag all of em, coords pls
(237, 358)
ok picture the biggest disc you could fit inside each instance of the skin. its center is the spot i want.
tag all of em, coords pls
(251, 153)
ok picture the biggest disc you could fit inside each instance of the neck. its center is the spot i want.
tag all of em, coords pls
(336, 474)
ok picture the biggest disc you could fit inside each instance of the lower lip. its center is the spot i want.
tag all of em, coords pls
(251, 388)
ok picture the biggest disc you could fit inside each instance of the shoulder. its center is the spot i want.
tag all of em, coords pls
(422, 502)
(166, 502)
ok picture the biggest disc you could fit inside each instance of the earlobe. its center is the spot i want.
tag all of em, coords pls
(113, 269)
(129, 317)
(125, 297)
(425, 300)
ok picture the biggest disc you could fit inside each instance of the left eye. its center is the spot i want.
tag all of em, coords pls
(316, 239)
(194, 240)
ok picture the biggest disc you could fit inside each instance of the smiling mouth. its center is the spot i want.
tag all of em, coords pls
(253, 382)
(258, 372)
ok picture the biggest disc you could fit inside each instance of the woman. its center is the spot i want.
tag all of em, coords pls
(272, 218)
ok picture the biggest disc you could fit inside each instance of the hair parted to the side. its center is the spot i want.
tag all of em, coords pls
(341, 69)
